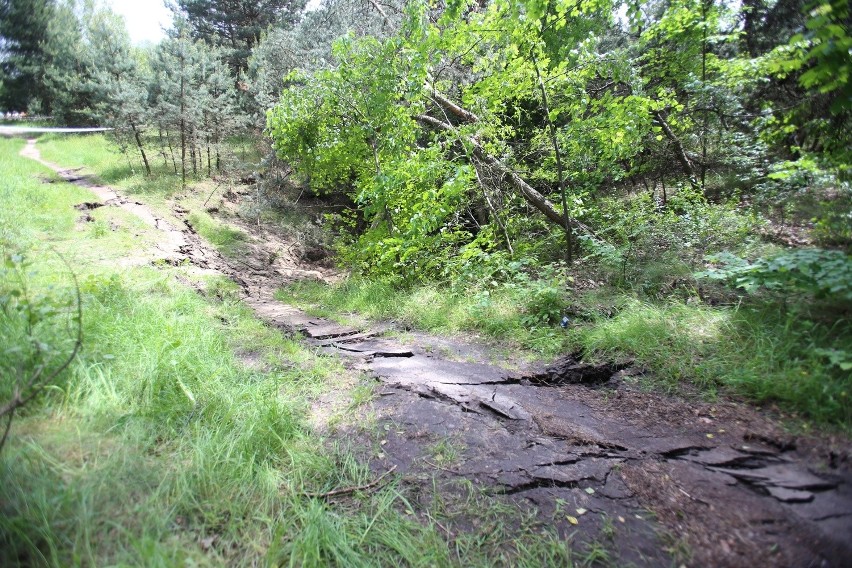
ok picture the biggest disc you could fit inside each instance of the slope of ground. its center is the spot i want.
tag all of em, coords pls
(182, 433)
(630, 477)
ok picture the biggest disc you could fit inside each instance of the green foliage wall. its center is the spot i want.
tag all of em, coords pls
(546, 106)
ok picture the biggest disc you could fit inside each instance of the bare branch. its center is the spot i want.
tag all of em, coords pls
(380, 11)
(680, 152)
(35, 383)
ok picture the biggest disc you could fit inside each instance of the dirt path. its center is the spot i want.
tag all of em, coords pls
(651, 479)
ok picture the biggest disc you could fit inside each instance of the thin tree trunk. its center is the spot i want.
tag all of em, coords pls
(193, 151)
(182, 150)
(129, 163)
(216, 147)
(680, 152)
(569, 233)
(705, 102)
(182, 120)
(162, 147)
(172, 151)
(141, 149)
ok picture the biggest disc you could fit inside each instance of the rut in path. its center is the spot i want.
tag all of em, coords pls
(719, 478)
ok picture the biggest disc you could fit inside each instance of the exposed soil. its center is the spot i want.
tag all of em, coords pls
(654, 479)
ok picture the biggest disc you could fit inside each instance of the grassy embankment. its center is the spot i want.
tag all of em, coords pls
(161, 445)
(764, 349)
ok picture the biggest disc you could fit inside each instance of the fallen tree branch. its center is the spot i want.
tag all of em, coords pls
(347, 490)
(680, 151)
(529, 193)
(452, 107)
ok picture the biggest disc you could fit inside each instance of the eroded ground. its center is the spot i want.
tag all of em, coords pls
(646, 479)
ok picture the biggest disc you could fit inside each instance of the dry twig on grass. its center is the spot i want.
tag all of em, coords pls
(347, 490)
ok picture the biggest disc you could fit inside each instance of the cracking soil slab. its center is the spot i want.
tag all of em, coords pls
(600, 462)
(374, 347)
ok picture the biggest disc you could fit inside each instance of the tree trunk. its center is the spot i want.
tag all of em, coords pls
(569, 233)
(680, 152)
(182, 121)
(532, 196)
(141, 149)
(162, 147)
(705, 102)
(172, 151)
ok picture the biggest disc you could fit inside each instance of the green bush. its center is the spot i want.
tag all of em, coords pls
(653, 248)
(817, 272)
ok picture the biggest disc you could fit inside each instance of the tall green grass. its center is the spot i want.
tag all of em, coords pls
(763, 350)
(512, 315)
(160, 432)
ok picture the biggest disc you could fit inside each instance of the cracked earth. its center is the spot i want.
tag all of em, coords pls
(655, 479)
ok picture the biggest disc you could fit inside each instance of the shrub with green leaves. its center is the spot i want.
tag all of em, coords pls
(816, 272)
(650, 247)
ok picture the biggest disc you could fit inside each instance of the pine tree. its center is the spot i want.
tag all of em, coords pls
(194, 100)
(23, 33)
(237, 25)
(117, 83)
(67, 70)
(216, 96)
(172, 80)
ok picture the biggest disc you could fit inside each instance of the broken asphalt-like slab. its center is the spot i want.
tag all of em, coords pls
(532, 437)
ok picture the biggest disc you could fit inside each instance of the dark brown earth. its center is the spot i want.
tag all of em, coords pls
(656, 480)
